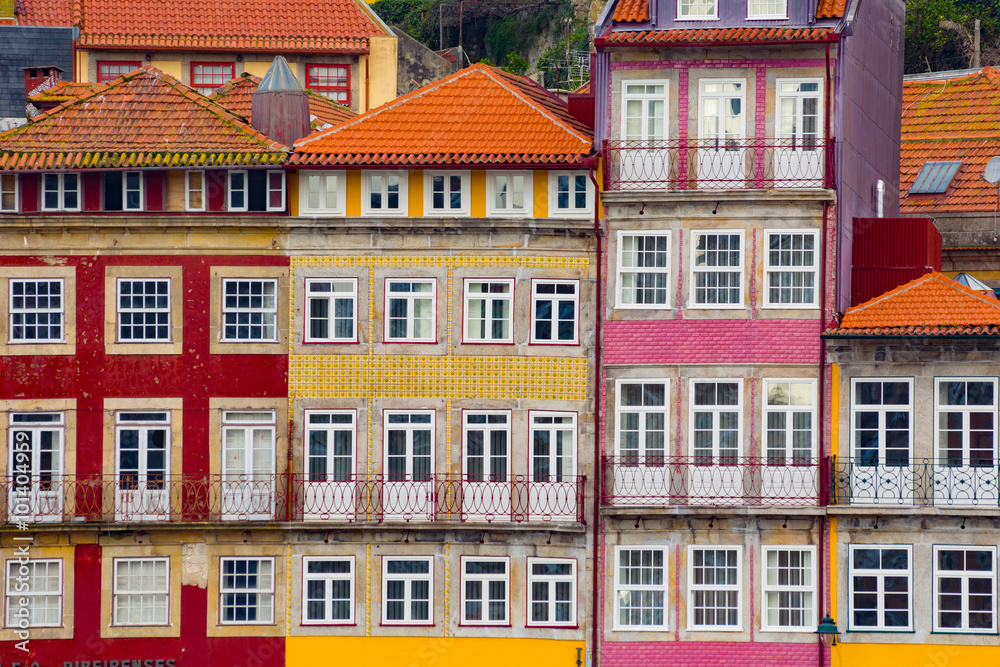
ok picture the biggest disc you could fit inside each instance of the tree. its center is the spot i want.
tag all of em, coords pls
(933, 44)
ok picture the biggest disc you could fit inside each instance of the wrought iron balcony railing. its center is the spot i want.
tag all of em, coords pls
(295, 497)
(765, 163)
(723, 481)
(902, 481)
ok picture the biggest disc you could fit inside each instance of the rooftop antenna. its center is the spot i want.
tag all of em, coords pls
(992, 176)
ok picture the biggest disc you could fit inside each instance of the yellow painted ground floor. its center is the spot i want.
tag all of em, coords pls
(914, 655)
(428, 651)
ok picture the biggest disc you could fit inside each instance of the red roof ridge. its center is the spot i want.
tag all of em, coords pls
(482, 68)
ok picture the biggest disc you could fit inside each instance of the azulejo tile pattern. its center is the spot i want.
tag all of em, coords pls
(451, 261)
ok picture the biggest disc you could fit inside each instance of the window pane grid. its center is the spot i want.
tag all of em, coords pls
(791, 269)
(43, 596)
(489, 311)
(641, 590)
(141, 591)
(642, 422)
(331, 310)
(881, 422)
(966, 422)
(250, 310)
(788, 589)
(554, 307)
(643, 269)
(965, 585)
(143, 310)
(406, 591)
(36, 311)
(410, 311)
(485, 586)
(247, 590)
(206, 78)
(714, 588)
(551, 591)
(330, 446)
(331, 81)
(328, 590)
(880, 588)
(718, 269)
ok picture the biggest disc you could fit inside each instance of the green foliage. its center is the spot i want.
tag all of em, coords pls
(932, 47)
(553, 61)
(486, 61)
(516, 64)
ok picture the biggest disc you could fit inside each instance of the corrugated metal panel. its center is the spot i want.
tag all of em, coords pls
(896, 243)
(869, 283)
(582, 108)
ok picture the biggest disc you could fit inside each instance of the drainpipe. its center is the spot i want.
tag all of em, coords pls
(598, 571)
(824, 474)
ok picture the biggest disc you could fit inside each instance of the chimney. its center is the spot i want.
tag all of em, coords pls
(37, 79)
(279, 108)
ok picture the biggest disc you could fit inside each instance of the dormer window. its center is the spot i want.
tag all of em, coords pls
(695, 10)
(767, 9)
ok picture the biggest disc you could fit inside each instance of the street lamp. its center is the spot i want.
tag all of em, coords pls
(827, 632)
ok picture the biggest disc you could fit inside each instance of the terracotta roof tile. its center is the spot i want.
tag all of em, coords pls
(479, 115)
(954, 119)
(143, 119)
(728, 35)
(629, 11)
(930, 305)
(63, 91)
(237, 96)
(831, 9)
(247, 25)
(57, 13)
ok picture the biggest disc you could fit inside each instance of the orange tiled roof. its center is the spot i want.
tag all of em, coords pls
(237, 96)
(629, 11)
(59, 13)
(244, 25)
(728, 35)
(479, 115)
(930, 305)
(63, 91)
(831, 9)
(143, 119)
(955, 119)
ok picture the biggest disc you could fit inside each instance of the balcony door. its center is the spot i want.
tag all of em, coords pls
(486, 485)
(35, 464)
(799, 156)
(552, 493)
(330, 482)
(882, 471)
(722, 152)
(790, 470)
(142, 486)
(248, 479)
(408, 488)
(645, 160)
(716, 442)
(965, 461)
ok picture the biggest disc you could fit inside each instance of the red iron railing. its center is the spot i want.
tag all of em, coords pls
(759, 164)
(297, 497)
(720, 481)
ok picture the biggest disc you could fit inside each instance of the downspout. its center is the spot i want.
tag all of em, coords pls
(824, 468)
(830, 177)
(597, 570)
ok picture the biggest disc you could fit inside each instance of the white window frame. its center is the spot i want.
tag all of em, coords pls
(61, 192)
(332, 298)
(694, 588)
(485, 580)
(487, 475)
(331, 429)
(555, 472)
(554, 298)
(489, 298)
(230, 190)
(880, 573)
(5, 178)
(572, 211)
(251, 310)
(188, 190)
(328, 579)
(717, 457)
(941, 456)
(772, 592)
(261, 591)
(509, 211)
(551, 581)
(641, 456)
(14, 594)
(36, 311)
(339, 190)
(410, 298)
(697, 17)
(789, 409)
(799, 96)
(156, 310)
(269, 190)
(753, 16)
(34, 424)
(367, 190)
(409, 427)
(408, 579)
(626, 590)
(770, 269)
(645, 138)
(160, 599)
(881, 409)
(126, 189)
(447, 210)
(964, 577)
(738, 270)
(641, 270)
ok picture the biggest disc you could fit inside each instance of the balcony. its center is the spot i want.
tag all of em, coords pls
(733, 164)
(915, 483)
(636, 482)
(296, 497)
